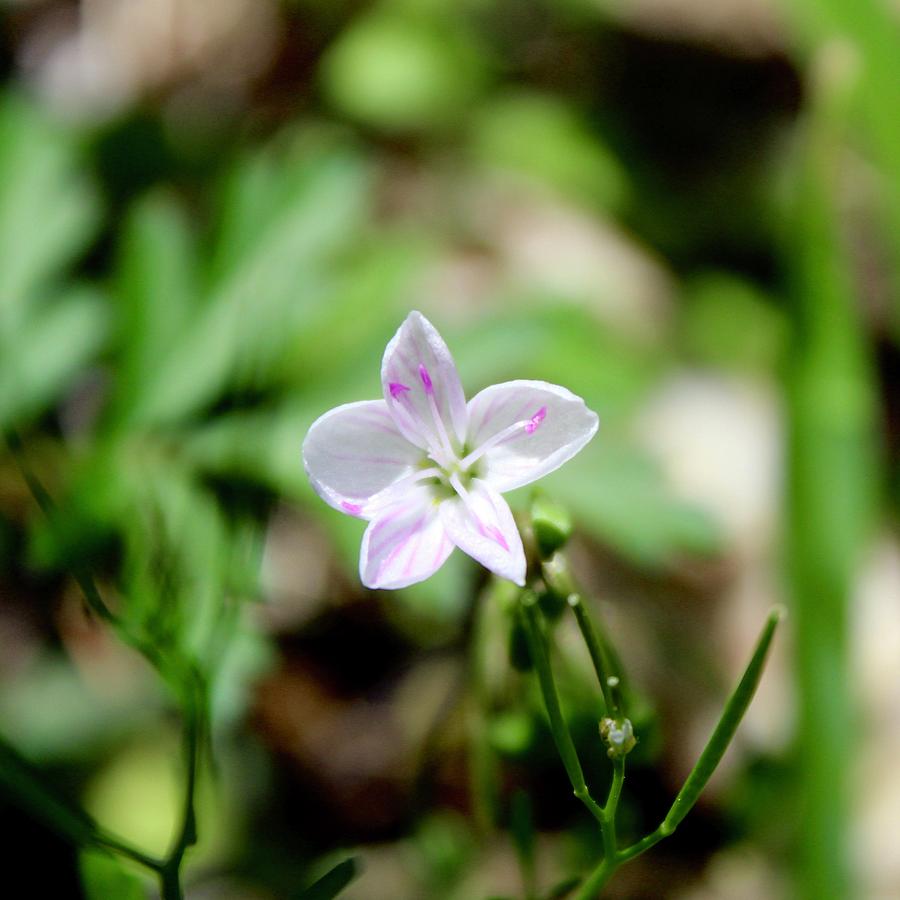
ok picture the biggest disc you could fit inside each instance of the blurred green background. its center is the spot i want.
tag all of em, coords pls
(213, 216)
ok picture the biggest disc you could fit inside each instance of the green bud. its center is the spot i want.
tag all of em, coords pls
(552, 604)
(618, 736)
(552, 525)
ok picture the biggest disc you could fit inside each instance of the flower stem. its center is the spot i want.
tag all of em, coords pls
(608, 676)
(170, 872)
(608, 669)
(606, 661)
(562, 738)
(595, 882)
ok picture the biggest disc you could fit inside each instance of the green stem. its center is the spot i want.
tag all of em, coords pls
(607, 675)
(732, 715)
(608, 822)
(170, 872)
(116, 845)
(24, 785)
(561, 736)
(725, 728)
(605, 815)
(193, 694)
(718, 742)
(597, 880)
(607, 663)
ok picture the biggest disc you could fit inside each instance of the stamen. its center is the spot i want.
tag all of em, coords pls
(488, 531)
(421, 475)
(536, 420)
(529, 426)
(439, 426)
(400, 395)
(443, 454)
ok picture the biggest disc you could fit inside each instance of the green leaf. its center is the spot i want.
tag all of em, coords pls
(156, 281)
(332, 882)
(104, 878)
(267, 283)
(543, 138)
(48, 349)
(48, 209)
(724, 731)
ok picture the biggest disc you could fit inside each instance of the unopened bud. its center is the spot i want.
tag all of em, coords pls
(618, 735)
(552, 525)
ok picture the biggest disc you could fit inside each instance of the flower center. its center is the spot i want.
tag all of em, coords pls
(450, 470)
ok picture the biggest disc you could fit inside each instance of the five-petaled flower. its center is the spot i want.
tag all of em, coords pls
(426, 469)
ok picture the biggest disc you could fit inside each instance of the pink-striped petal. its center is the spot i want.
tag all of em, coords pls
(406, 542)
(526, 430)
(354, 453)
(481, 524)
(422, 387)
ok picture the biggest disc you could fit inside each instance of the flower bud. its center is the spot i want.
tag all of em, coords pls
(618, 736)
(552, 525)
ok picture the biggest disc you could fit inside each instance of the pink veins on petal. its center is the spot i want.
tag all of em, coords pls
(492, 531)
(397, 389)
(532, 425)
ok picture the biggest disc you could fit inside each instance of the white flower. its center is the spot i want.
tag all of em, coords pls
(426, 469)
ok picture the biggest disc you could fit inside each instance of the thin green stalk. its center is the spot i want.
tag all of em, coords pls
(561, 736)
(615, 788)
(607, 663)
(122, 848)
(596, 881)
(718, 743)
(725, 728)
(608, 676)
(731, 717)
(77, 825)
(610, 808)
(170, 873)
(24, 784)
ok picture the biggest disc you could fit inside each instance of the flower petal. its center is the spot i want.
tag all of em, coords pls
(354, 452)
(482, 525)
(405, 543)
(420, 378)
(555, 426)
